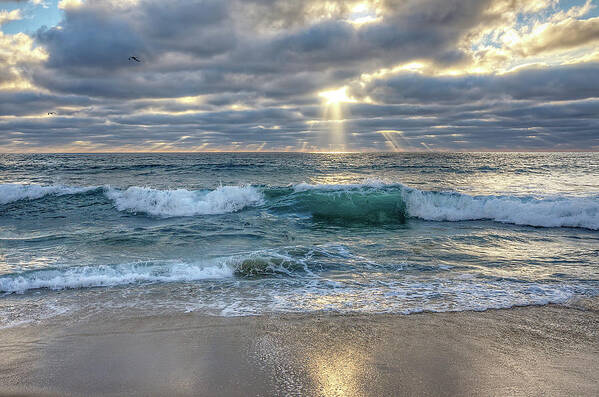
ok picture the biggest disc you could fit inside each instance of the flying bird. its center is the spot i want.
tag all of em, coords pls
(136, 59)
(51, 113)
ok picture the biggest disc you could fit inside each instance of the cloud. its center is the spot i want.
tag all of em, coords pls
(91, 41)
(17, 53)
(204, 42)
(567, 82)
(452, 74)
(31, 103)
(7, 16)
(570, 33)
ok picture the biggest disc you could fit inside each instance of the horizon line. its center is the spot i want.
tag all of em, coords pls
(315, 152)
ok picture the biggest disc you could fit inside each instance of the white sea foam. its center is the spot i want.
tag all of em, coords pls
(544, 212)
(182, 202)
(367, 183)
(253, 263)
(107, 275)
(10, 192)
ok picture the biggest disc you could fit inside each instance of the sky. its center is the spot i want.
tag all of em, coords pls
(301, 75)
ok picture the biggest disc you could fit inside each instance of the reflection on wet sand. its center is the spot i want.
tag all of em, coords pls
(549, 350)
(337, 374)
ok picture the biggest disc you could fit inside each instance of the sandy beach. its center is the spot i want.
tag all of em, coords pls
(551, 350)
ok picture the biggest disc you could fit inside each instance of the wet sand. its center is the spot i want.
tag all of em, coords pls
(551, 350)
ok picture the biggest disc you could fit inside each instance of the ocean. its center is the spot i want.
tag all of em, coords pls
(234, 234)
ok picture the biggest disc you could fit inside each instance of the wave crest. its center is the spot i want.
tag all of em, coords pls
(359, 206)
(11, 192)
(546, 212)
(378, 202)
(372, 202)
(110, 275)
(182, 202)
(288, 261)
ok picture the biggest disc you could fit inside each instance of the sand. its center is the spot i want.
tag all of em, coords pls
(550, 350)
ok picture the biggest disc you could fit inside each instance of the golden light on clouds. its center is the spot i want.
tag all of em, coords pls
(17, 50)
(7, 16)
(337, 96)
(363, 13)
(64, 4)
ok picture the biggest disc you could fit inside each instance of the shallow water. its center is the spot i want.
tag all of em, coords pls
(237, 234)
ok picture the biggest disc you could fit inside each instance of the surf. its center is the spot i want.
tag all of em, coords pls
(12, 192)
(75, 277)
(378, 202)
(183, 202)
(293, 261)
(372, 202)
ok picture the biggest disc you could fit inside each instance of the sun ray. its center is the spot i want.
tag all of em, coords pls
(333, 116)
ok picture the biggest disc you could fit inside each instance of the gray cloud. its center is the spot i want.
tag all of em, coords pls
(254, 68)
(567, 34)
(539, 83)
(31, 102)
(202, 47)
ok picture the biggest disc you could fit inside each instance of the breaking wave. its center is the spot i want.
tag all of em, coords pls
(580, 212)
(376, 201)
(282, 262)
(182, 202)
(372, 202)
(163, 203)
(110, 275)
(11, 192)
(352, 206)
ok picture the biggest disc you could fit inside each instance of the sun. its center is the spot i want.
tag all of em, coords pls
(336, 96)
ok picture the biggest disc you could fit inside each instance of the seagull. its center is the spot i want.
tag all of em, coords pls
(136, 59)
(51, 113)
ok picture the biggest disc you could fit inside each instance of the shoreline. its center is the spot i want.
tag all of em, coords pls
(533, 350)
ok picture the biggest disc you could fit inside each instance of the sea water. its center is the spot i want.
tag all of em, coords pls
(230, 234)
